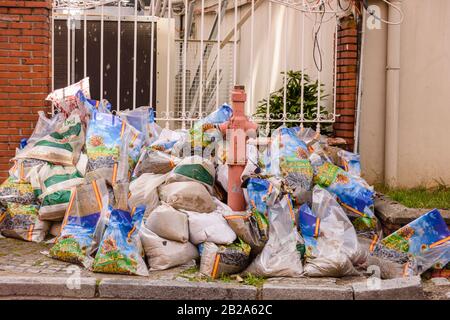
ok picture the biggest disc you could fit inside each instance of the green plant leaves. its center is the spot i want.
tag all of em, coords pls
(294, 102)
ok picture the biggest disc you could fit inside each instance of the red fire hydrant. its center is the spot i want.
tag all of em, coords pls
(236, 131)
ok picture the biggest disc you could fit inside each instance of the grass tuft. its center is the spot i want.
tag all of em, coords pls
(419, 197)
(252, 280)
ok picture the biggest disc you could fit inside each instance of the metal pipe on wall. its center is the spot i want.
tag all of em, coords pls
(360, 82)
(392, 97)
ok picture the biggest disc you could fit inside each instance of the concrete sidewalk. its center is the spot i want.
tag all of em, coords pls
(26, 273)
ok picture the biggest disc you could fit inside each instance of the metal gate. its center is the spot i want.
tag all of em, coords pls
(183, 57)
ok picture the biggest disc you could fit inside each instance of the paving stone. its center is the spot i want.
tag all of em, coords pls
(47, 286)
(173, 290)
(306, 289)
(392, 289)
(437, 289)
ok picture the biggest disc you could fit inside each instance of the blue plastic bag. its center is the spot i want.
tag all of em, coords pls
(418, 246)
(287, 158)
(83, 224)
(309, 226)
(106, 148)
(261, 193)
(92, 105)
(350, 162)
(143, 120)
(353, 194)
(120, 249)
(206, 131)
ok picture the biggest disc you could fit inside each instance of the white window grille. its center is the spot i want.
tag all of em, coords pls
(202, 48)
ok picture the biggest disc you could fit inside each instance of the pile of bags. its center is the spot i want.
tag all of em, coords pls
(121, 195)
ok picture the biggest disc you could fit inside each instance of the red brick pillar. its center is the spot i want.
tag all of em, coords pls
(25, 41)
(347, 80)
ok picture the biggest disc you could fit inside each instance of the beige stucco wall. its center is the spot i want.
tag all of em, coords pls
(424, 130)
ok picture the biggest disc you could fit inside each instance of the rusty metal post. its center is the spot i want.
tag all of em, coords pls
(237, 130)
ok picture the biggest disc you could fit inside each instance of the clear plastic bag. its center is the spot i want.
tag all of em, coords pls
(414, 248)
(62, 146)
(194, 168)
(355, 196)
(107, 148)
(144, 191)
(157, 162)
(92, 105)
(65, 99)
(56, 186)
(119, 250)
(331, 243)
(24, 169)
(12, 190)
(45, 126)
(350, 162)
(21, 221)
(252, 228)
(280, 257)
(222, 260)
(308, 135)
(206, 130)
(83, 224)
(260, 194)
(170, 141)
(287, 158)
(136, 142)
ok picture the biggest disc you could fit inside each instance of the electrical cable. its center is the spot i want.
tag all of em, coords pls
(316, 45)
(372, 12)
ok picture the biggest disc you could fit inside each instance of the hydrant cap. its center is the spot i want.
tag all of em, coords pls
(238, 94)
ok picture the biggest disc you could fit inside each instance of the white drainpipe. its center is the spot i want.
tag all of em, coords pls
(392, 97)
(360, 83)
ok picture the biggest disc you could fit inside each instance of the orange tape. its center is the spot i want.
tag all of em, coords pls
(21, 174)
(97, 195)
(122, 130)
(373, 243)
(134, 138)
(439, 242)
(216, 266)
(350, 208)
(291, 210)
(14, 166)
(69, 207)
(2, 217)
(317, 228)
(345, 165)
(131, 231)
(114, 174)
(237, 217)
(405, 269)
(30, 233)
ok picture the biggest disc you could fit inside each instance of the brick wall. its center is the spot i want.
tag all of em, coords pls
(24, 71)
(347, 80)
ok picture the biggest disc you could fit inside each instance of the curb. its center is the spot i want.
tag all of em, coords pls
(21, 287)
(62, 287)
(173, 290)
(307, 292)
(393, 289)
(395, 214)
